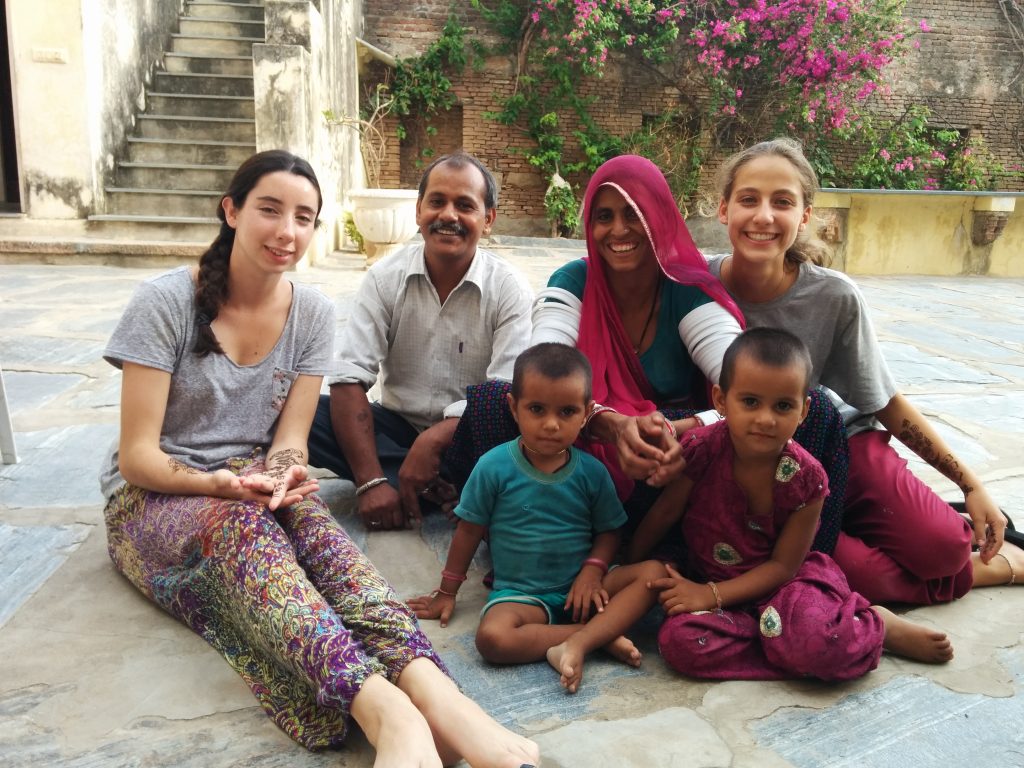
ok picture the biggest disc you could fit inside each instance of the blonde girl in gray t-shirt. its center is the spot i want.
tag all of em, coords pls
(211, 512)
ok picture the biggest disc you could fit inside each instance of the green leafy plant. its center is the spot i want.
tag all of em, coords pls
(909, 152)
(353, 233)
(419, 86)
(561, 208)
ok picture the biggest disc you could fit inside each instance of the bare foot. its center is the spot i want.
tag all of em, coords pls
(905, 638)
(482, 741)
(568, 663)
(463, 730)
(997, 572)
(394, 727)
(622, 649)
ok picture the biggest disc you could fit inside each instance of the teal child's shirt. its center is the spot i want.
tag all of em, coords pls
(541, 526)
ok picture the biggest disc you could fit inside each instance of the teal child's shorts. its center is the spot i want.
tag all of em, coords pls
(553, 603)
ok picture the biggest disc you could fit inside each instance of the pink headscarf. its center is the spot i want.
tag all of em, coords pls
(619, 379)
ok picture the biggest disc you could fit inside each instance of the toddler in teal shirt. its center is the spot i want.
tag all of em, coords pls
(552, 519)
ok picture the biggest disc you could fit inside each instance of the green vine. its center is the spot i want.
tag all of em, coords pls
(418, 87)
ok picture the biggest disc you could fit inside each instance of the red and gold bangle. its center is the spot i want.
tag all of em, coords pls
(718, 597)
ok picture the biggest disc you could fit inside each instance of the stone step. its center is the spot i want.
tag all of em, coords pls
(211, 65)
(184, 229)
(200, 203)
(214, 10)
(204, 129)
(220, 27)
(184, 104)
(173, 176)
(188, 151)
(213, 46)
(204, 84)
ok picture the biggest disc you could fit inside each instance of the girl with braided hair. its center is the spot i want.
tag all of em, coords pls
(211, 512)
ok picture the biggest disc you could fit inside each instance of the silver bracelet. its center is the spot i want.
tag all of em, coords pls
(370, 484)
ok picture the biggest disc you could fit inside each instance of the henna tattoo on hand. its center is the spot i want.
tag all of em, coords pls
(910, 435)
(282, 460)
(177, 466)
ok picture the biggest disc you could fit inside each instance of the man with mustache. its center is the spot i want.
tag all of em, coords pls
(432, 319)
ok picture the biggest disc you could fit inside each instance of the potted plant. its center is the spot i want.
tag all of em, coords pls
(384, 218)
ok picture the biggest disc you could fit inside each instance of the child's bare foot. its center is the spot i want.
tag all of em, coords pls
(905, 638)
(622, 649)
(568, 663)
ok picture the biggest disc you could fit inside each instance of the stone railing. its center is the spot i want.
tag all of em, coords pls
(897, 232)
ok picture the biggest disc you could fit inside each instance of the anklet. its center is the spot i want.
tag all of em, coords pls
(1013, 575)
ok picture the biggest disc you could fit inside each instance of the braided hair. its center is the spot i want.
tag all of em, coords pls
(212, 283)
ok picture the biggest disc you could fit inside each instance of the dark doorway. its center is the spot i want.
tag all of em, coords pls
(10, 190)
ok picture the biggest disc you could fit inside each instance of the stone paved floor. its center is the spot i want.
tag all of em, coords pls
(93, 675)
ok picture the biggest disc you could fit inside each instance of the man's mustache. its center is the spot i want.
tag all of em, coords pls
(451, 226)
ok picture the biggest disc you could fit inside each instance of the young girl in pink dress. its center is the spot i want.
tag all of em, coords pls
(755, 603)
(900, 542)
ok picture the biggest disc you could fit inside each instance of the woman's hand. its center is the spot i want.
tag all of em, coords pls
(586, 589)
(647, 450)
(988, 522)
(680, 595)
(281, 489)
(436, 606)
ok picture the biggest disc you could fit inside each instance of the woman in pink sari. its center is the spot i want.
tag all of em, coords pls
(654, 324)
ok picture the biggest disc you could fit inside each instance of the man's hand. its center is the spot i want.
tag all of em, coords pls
(380, 508)
(419, 473)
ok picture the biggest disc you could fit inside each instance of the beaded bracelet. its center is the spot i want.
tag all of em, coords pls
(598, 563)
(718, 597)
(452, 576)
(370, 484)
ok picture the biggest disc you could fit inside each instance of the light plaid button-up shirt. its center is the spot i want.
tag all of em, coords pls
(427, 354)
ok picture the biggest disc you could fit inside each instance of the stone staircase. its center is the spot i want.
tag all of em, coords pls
(197, 127)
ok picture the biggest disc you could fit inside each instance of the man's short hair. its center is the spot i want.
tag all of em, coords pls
(461, 159)
(552, 361)
(773, 347)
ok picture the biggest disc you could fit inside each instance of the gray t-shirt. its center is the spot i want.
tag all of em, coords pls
(826, 309)
(216, 409)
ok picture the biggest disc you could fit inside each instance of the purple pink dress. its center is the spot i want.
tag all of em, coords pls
(811, 626)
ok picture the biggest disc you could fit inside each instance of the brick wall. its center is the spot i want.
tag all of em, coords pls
(962, 72)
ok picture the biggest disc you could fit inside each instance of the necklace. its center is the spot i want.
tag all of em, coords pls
(650, 316)
(535, 452)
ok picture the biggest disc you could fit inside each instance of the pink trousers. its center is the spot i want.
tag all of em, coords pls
(812, 626)
(900, 542)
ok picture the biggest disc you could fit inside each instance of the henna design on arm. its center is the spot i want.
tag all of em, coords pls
(910, 435)
(177, 466)
(282, 460)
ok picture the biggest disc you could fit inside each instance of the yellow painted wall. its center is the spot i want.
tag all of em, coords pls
(924, 234)
(1007, 258)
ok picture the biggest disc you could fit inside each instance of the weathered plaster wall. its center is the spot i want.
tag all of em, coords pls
(307, 66)
(124, 41)
(78, 68)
